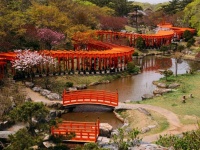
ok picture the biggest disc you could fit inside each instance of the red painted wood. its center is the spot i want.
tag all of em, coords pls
(84, 131)
(90, 97)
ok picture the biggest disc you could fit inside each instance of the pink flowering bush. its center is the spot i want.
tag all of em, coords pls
(26, 60)
(50, 37)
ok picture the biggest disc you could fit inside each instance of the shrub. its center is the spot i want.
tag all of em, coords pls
(188, 141)
(190, 42)
(140, 44)
(180, 47)
(167, 73)
(135, 54)
(68, 84)
(132, 138)
(163, 48)
(187, 35)
(132, 68)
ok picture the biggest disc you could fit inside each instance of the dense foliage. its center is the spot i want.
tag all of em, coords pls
(21, 20)
(132, 68)
(22, 140)
(28, 112)
(186, 141)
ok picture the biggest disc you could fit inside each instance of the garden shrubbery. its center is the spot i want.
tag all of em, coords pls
(132, 68)
(186, 141)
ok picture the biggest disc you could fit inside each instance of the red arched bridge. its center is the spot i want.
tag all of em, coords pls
(83, 131)
(99, 97)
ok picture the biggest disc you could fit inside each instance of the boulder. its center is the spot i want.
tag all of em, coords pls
(53, 96)
(48, 144)
(174, 85)
(149, 147)
(155, 82)
(29, 84)
(161, 91)
(151, 126)
(72, 89)
(81, 87)
(52, 114)
(54, 105)
(161, 85)
(158, 95)
(27, 98)
(145, 129)
(45, 92)
(147, 96)
(105, 81)
(144, 111)
(114, 132)
(46, 137)
(35, 147)
(36, 89)
(110, 146)
(5, 134)
(105, 129)
(103, 140)
(5, 124)
(94, 83)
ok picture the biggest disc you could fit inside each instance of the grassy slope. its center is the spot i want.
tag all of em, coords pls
(58, 83)
(141, 120)
(173, 101)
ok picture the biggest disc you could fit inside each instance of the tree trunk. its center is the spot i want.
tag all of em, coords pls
(176, 66)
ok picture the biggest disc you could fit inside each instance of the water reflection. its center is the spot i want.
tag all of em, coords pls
(132, 88)
(153, 63)
(104, 117)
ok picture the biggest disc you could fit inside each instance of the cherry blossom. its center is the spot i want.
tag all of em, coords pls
(27, 59)
(49, 37)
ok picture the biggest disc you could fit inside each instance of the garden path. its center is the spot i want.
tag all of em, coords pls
(175, 126)
(37, 97)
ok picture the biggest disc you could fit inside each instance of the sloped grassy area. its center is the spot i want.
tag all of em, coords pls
(188, 112)
(59, 83)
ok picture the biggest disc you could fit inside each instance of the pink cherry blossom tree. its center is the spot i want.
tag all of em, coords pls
(26, 60)
(49, 37)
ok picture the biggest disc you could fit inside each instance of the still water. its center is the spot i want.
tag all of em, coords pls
(134, 87)
(104, 117)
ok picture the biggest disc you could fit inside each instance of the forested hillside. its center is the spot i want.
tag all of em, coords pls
(26, 23)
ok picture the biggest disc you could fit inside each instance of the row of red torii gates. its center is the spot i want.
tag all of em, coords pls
(99, 56)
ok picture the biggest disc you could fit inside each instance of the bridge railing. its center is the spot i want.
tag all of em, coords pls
(90, 97)
(84, 131)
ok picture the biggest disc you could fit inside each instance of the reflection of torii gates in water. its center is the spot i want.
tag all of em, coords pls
(154, 63)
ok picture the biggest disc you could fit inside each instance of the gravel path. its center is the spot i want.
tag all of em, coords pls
(172, 118)
(37, 97)
(175, 126)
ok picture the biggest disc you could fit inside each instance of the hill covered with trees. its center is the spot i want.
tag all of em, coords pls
(22, 20)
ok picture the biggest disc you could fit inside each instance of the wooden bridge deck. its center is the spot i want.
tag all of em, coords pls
(100, 97)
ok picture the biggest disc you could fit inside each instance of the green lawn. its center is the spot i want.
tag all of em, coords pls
(173, 101)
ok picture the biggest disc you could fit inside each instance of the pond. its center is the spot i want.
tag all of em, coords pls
(104, 117)
(133, 87)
